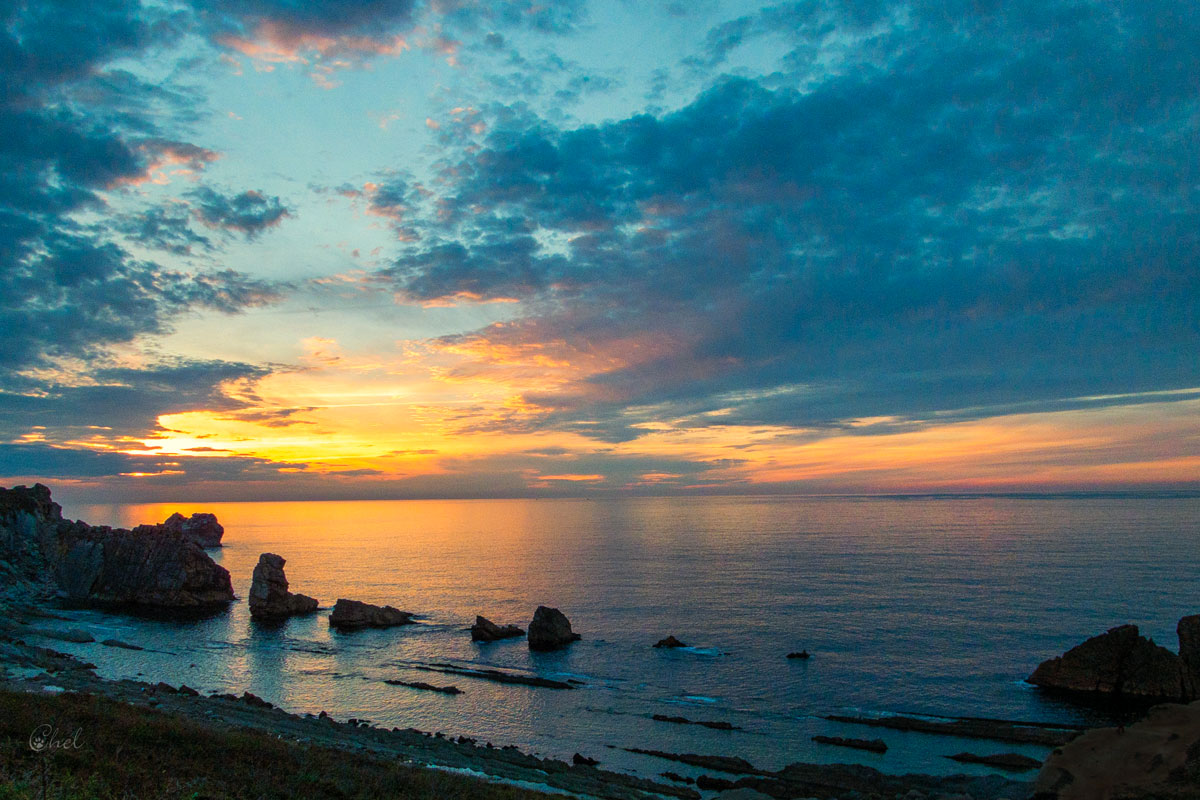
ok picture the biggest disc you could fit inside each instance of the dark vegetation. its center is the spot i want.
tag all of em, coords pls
(130, 752)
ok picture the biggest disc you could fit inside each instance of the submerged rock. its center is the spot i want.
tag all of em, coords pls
(269, 595)
(550, 630)
(874, 745)
(1013, 762)
(670, 641)
(354, 614)
(803, 654)
(484, 630)
(1156, 757)
(1119, 662)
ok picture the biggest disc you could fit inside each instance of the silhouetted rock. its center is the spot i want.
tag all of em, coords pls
(353, 614)
(155, 568)
(120, 644)
(580, 760)
(803, 654)
(203, 529)
(550, 630)
(428, 687)
(1117, 662)
(874, 745)
(484, 630)
(670, 641)
(718, 725)
(1156, 757)
(1013, 762)
(269, 595)
(1189, 653)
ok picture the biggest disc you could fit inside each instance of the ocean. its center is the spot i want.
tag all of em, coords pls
(925, 605)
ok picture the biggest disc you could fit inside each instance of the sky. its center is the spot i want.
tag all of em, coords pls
(270, 249)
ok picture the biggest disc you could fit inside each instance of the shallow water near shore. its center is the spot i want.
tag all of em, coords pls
(931, 606)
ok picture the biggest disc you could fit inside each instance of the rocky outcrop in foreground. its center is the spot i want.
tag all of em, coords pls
(155, 568)
(269, 595)
(203, 529)
(484, 630)
(351, 615)
(1122, 663)
(550, 630)
(1158, 757)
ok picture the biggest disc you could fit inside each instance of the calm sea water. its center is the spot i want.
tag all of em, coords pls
(924, 605)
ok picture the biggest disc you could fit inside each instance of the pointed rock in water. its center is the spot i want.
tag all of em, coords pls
(353, 614)
(670, 641)
(269, 595)
(1117, 662)
(550, 630)
(484, 630)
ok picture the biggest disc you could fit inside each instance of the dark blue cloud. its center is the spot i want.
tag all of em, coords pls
(965, 210)
(249, 213)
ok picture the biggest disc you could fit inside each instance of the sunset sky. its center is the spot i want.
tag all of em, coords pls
(261, 249)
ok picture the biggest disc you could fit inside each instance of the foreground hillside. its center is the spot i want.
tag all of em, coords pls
(127, 751)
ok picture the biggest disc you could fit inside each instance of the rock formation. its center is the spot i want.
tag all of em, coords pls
(1189, 653)
(484, 630)
(102, 566)
(1156, 757)
(1122, 663)
(203, 529)
(269, 595)
(550, 630)
(349, 615)
(670, 641)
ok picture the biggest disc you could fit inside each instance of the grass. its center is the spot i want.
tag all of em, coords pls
(131, 752)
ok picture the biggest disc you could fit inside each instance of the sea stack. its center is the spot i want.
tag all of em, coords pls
(350, 615)
(484, 630)
(550, 630)
(1122, 663)
(203, 529)
(269, 595)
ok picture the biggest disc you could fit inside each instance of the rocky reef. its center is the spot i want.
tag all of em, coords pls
(550, 630)
(1121, 663)
(154, 567)
(351, 615)
(484, 630)
(270, 599)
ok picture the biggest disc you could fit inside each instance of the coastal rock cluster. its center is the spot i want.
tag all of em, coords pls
(1121, 663)
(270, 599)
(153, 566)
(484, 630)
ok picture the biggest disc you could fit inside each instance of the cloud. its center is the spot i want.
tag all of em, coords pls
(249, 213)
(999, 211)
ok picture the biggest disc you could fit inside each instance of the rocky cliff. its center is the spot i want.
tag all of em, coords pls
(153, 567)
